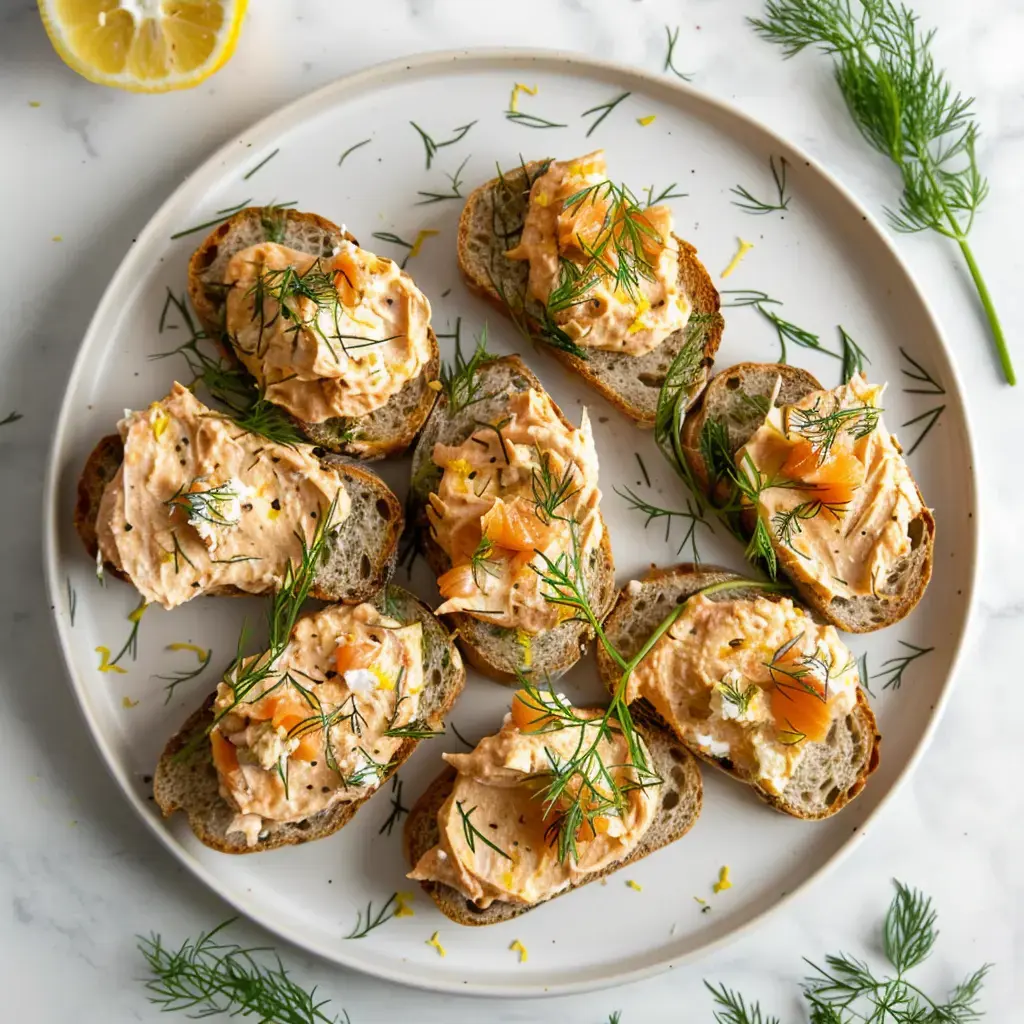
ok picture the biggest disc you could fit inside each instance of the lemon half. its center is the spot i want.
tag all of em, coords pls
(144, 45)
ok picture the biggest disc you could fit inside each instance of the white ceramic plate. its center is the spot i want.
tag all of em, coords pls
(824, 258)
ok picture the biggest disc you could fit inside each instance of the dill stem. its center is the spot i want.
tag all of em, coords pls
(990, 311)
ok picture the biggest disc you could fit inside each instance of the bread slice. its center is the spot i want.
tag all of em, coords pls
(186, 780)
(731, 399)
(361, 555)
(831, 772)
(490, 649)
(679, 805)
(491, 223)
(384, 432)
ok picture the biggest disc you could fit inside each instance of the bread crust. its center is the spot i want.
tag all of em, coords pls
(687, 578)
(853, 615)
(694, 280)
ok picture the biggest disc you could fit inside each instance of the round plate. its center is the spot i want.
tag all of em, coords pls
(823, 258)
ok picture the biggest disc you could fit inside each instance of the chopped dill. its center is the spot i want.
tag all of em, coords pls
(262, 163)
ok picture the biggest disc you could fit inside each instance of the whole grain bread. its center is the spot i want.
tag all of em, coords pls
(732, 399)
(384, 432)
(679, 804)
(831, 772)
(491, 223)
(494, 650)
(361, 554)
(186, 780)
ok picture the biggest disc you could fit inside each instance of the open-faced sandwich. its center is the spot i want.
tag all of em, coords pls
(554, 800)
(334, 335)
(597, 276)
(296, 739)
(750, 682)
(506, 496)
(182, 502)
(818, 485)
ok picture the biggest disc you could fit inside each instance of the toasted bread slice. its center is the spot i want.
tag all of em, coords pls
(361, 555)
(384, 432)
(831, 772)
(188, 781)
(727, 399)
(490, 224)
(679, 805)
(490, 649)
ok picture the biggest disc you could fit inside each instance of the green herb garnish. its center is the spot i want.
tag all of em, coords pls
(754, 205)
(853, 356)
(364, 927)
(603, 110)
(459, 379)
(440, 197)
(431, 146)
(892, 669)
(672, 37)
(691, 516)
(398, 809)
(784, 329)
(472, 833)
(352, 149)
(262, 163)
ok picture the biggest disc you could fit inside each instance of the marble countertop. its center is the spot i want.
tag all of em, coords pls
(85, 167)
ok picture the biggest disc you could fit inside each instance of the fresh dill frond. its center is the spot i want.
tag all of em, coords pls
(131, 645)
(365, 923)
(929, 384)
(398, 809)
(531, 120)
(459, 379)
(351, 149)
(892, 670)
(691, 516)
(431, 146)
(11, 417)
(472, 833)
(228, 211)
(760, 551)
(266, 160)
(785, 330)
(213, 505)
(789, 524)
(853, 356)
(905, 108)
(672, 38)
(929, 418)
(739, 699)
(455, 193)
(822, 428)
(663, 196)
(759, 206)
(603, 110)
(551, 491)
(208, 977)
(177, 678)
(730, 1008)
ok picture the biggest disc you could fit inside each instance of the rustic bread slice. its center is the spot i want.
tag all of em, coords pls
(384, 432)
(494, 650)
(186, 780)
(491, 222)
(361, 555)
(831, 772)
(679, 805)
(731, 399)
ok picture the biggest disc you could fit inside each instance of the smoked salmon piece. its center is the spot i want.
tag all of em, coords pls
(514, 525)
(225, 755)
(832, 482)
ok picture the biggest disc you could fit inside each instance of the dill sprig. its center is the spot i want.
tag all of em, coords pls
(209, 977)
(672, 38)
(930, 386)
(177, 678)
(929, 418)
(431, 146)
(459, 378)
(352, 149)
(906, 109)
(785, 330)
(789, 524)
(481, 565)
(739, 699)
(752, 204)
(212, 505)
(531, 120)
(11, 417)
(550, 491)
(603, 110)
(822, 428)
(691, 516)
(472, 833)
(663, 196)
(398, 809)
(266, 160)
(439, 197)
(892, 670)
(227, 212)
(853, 356)
(363, 927)
(131, 645)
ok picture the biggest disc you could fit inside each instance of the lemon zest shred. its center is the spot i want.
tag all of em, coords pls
(645, 121)
(421, 237)
(639, 324)
(199, 652)
(635, 886)
(744, 248)
(524, 641)
(723, 882)
(542, 199)
(136, 615)
(384, 681)
(127, 702)
(517, 947)
(507, 879)
(57, 238)
(434, 385)
(436, 943)
(273, 513)
(402, 908)
(105, 666)
(513, 103)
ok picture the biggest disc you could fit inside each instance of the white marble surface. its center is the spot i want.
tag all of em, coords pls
(79, 876)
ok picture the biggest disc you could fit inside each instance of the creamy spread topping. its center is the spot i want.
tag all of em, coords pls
(313, 732)
(843, 498)
(749, 680)
(199, 504)
(606, 269)
(326, 336)
(518, 486)
(499, 794)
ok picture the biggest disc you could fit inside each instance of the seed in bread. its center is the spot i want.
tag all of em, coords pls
(493, 222)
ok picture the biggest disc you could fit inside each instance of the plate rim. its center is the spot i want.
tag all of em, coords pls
(265, 129)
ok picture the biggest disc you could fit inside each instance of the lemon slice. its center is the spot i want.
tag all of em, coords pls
(144, 45)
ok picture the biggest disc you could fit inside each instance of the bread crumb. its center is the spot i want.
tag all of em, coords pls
(723, 882)
(436, 943)
(519, 948)
(635, 886)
